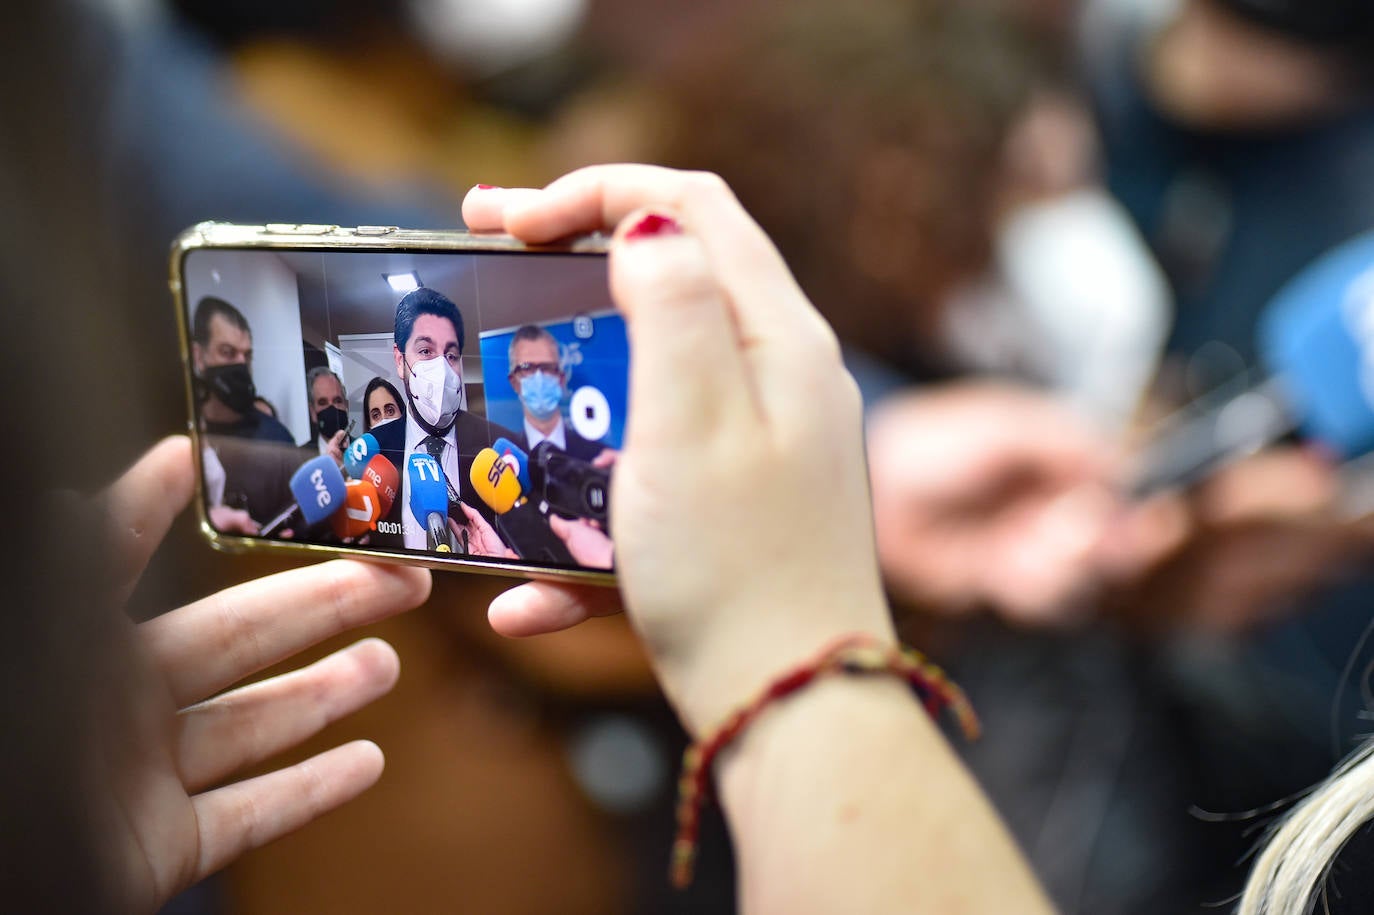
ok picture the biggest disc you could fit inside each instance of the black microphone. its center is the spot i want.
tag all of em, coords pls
(569, 486)
(497, 481)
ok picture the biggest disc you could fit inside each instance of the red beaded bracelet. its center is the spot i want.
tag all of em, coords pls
(854, 654)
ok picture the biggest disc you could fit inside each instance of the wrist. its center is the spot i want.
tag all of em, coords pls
(713, 678)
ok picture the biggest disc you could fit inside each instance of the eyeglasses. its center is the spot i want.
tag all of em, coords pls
(526, 369)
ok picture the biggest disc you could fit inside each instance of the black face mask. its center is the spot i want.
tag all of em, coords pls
(232, 385)
(331, 420)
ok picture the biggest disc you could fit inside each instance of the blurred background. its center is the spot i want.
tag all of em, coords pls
(1091, 201)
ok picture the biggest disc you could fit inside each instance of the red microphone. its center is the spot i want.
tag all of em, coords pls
(381, 473)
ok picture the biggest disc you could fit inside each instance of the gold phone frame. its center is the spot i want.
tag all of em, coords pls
(283, 236)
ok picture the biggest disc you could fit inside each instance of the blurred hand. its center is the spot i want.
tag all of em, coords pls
(740, 503)
(173, 820)
(1213, 68)
(1244, 544)
(588, 544)
(481, 538)
(232, 521)
(988, 494)
(335, 448)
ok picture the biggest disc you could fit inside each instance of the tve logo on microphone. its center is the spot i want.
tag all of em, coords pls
(318, 488)
(322, 496)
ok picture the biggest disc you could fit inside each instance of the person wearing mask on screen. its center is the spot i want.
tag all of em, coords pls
(328, 415)
(381, 404)
(249, 455)
(428, 353)
(538, 379)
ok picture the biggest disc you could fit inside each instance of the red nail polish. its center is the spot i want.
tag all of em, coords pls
(653, 225)
(487, 187)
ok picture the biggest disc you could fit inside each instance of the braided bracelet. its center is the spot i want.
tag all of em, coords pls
(854, 654)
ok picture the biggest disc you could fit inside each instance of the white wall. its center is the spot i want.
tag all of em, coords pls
(259, 284)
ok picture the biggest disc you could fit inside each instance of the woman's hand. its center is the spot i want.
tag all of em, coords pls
(744, 544)
(743, 460)
(174, 816)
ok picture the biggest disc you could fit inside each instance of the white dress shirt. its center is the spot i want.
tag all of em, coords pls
(558, 436)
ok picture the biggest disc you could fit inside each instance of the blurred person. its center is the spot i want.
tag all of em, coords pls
(904, 108)
(537, 377)
(948, 238)
(1238, 135)
(381, 404)
(949, 215)
(119, 789)
(250, 456)
(328, 414)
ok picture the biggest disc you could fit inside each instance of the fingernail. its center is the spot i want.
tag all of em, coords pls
(652, 225)
(488, 187)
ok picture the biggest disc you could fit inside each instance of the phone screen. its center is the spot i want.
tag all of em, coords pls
(464, 404)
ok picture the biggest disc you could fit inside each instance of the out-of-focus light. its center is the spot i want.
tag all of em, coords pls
(403, 282)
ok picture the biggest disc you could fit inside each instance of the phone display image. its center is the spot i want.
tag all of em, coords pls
(451, 405)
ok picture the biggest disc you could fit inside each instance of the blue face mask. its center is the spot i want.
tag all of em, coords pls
(541, 394)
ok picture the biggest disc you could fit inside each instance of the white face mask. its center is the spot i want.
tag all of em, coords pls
(436, 392)
(384, 422)
(1079, 303)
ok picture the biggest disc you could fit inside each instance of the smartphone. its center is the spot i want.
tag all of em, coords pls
(430, 397)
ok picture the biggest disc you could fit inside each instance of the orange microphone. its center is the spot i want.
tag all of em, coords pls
(362, 508)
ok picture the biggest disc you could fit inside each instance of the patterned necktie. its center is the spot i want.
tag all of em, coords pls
(435, 445)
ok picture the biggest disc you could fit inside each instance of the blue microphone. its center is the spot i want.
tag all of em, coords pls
(319, 491)
(1316, 344)
(358, 453)
(507, 448)
(428, 500)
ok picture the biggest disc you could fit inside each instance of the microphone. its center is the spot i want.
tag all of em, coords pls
(381, 473)
(514, 453)
(496, 480)
(429, 500)
(361, 509)
(359, 452)
(1316, 344)
(318, 488)
(569, 486)
(520, 523)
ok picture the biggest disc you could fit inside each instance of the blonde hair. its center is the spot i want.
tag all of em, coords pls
(1289, 876)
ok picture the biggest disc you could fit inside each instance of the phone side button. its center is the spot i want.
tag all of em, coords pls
(374, 230)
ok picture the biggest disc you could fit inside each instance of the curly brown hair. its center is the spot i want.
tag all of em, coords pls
(866, 138)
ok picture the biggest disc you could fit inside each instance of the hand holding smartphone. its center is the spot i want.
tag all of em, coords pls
(429, 397)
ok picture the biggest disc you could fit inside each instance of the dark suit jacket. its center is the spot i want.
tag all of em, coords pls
(578, 447)
(473, 434)
(257, 473)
